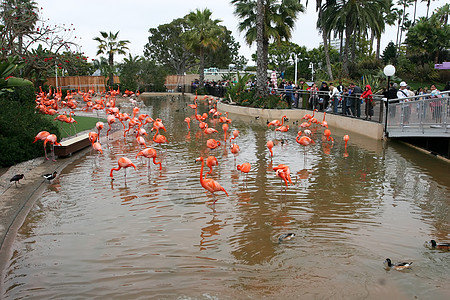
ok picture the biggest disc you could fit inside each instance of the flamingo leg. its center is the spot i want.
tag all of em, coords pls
(45, 151)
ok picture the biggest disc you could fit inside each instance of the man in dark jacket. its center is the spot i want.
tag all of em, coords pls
(356, 93)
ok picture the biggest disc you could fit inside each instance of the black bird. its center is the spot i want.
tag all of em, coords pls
(285, 237)
(434, 245)
(16, 178)
(50, 176)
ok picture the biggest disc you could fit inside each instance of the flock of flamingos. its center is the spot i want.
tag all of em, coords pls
(50, 104)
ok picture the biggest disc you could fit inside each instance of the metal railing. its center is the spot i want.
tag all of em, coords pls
(423, 115)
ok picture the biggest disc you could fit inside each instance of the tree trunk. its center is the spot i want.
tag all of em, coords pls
(202, 67)
(111, 72)
(345, 58)
(327, 53)
(261, 71)
(377, 55)
(341, 46)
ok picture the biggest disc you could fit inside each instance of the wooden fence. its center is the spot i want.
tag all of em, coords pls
(84, 83)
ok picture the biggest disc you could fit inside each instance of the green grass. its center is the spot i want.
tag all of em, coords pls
(83, 123)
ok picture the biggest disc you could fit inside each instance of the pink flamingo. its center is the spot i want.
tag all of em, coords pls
(123, 162)
(212, 144)
(211, 161)
(210, 185)
(52, 139)
(225, 129)
(42, 135)
(99, 125)
(188, 121)
(270, 146)
(111, 119)
(150, 153)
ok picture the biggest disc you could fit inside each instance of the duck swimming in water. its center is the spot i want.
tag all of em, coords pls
(434, 245)
(397, 266)
(285, 237)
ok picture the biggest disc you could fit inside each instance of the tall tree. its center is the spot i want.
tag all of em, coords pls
(110, 44)
(165, 47)
(274, 20)
(203, 36)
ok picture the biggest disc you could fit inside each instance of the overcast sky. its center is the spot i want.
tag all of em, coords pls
(133, 18)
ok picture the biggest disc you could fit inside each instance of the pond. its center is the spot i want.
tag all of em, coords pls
(157, 234)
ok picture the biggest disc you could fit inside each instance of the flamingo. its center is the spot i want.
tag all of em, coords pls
(346, 138)
(327, 134)
(225, 129)
(99, 125)
(284, 173)
(208, 184)
(324, 123)
(97, 146)
(304, 140)
(42, 135)
(308, 116)
(150, 153)
(212, 144)
(188, 121)
(235, 135)
(270, 146)
(123, 162)
(277, 123)
(111, 119)
(235, 150)
(141, 141)
(93, 137)
(211, 161)
(244, 168)
(209, 130)
(282, 128)
(51, 138)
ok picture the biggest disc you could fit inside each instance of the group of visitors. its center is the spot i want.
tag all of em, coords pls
(331, 97)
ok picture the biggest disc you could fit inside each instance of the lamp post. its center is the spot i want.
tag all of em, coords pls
(389, 70)
(295, 59)
(311, 66)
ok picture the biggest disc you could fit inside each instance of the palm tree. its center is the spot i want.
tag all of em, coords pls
(109, 44)
(203, 36)
(357, 16)
(273, 20)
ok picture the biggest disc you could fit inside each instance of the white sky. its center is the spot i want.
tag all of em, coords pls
(133, 18)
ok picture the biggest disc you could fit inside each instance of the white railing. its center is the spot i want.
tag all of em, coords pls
(424, 115)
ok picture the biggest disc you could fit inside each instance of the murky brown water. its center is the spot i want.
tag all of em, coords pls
(157, 234)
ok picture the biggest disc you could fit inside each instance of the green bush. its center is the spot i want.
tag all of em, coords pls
(19, 124)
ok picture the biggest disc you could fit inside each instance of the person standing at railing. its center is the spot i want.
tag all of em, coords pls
(368, 99)
(356, 103)
(401, 94)
(346, 102)
(436, 105)
(334, 97)
(323, 96)
(313, 96)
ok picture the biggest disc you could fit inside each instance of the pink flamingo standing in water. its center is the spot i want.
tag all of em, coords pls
(270, 146)
(225, 129)
(188, 121)
(99, 125)
(211, 161)
(244, 168)
(111, 119)
(123, 162)
(150, 153)
(346, 139)
(208, 184)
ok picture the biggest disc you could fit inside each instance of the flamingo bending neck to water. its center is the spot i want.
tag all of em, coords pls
(123, 162)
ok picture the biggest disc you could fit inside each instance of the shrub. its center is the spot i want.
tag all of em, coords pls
(19, 124)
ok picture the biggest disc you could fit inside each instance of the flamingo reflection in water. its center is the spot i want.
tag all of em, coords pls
(210, 185)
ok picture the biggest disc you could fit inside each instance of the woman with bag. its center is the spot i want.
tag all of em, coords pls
(368, 99)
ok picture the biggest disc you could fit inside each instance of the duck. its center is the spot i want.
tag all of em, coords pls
(434, 245)
(50, 176)
(286, 237)
(16, 178)
(397, 266)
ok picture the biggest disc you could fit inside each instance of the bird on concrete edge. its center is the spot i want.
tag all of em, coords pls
(50, 176)
(16, 178)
